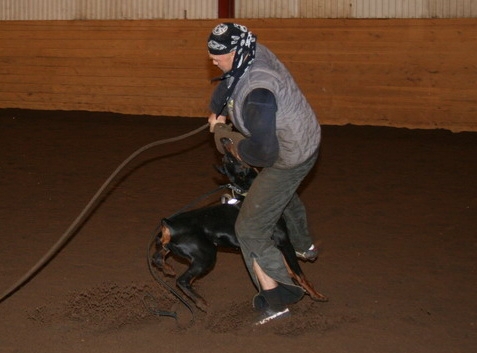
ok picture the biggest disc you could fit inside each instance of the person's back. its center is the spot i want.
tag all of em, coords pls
(297, 127)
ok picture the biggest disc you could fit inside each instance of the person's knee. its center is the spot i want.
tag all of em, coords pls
(244, 229)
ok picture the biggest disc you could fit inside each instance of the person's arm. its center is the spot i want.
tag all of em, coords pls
(217, 101)
(259, 115)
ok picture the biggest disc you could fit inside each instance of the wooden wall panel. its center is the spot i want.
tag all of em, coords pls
(404, 73)
(208, 9)
(370, 9)
(107, 9)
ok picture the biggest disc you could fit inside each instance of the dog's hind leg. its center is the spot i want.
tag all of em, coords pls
(159, 259)
(185, 281)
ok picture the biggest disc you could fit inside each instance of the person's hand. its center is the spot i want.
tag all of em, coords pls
(214, 119)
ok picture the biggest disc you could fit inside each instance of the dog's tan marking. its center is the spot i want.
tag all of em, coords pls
(166, 235)
(165, 239)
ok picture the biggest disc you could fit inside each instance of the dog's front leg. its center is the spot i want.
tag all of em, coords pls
(300, 278)
(294, 270)
(308, 287)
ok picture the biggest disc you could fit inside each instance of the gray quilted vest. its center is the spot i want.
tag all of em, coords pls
(298, 130)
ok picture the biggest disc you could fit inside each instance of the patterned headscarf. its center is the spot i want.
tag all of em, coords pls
(226, 38)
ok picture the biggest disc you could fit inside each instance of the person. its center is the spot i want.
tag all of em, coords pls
(274, 129)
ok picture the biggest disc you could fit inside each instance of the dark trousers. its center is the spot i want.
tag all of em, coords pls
(273, 194)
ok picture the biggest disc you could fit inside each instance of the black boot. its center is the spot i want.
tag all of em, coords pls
(273, 302)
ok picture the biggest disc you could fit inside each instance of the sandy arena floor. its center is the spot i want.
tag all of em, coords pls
(395, 212)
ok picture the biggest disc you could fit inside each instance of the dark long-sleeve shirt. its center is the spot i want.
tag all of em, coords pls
(259, 115)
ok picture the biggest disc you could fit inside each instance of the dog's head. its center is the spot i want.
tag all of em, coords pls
(239, 174)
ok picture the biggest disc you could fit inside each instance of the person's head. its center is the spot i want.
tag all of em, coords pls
(223, 61)
(222, 44)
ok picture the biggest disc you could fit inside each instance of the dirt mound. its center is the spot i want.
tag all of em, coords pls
(111, 306)
(306, 317)
(108, 306)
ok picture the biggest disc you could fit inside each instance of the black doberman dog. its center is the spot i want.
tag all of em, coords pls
(197, 234)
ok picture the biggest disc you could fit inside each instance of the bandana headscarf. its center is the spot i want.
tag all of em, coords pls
(226, 38)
